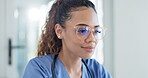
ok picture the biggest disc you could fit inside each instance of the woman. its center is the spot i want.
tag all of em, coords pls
(68, 40)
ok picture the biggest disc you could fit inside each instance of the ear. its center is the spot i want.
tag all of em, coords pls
(58, 31)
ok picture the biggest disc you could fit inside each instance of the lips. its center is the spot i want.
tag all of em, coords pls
(89, 48)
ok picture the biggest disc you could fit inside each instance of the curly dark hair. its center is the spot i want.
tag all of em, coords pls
(60, 11)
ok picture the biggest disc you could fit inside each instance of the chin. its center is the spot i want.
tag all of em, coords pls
(86, 57)
(86, 54)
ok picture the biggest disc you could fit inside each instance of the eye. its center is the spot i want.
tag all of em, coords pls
(98, 32)
(82, 31)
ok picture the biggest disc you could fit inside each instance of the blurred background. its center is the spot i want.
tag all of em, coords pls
(123, 51)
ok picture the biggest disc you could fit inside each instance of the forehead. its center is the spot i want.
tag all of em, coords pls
(83, 15)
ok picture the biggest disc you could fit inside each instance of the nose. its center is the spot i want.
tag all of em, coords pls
(91, 38)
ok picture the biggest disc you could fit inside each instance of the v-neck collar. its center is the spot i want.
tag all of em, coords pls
(63, 70)
(61, 66)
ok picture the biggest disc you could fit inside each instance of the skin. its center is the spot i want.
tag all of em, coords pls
(74, 49)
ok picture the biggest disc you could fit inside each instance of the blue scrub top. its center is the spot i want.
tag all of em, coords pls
(40, 67)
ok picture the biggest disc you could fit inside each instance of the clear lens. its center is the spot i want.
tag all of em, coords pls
(99, 33)
(84, 31)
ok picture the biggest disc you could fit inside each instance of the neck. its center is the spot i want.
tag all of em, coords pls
(71, 63)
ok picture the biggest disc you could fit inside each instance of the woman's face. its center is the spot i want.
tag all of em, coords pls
(75, 41)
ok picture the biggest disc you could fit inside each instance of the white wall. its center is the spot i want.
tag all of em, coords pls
(7, 30)
(108, 40)
(3, 43)
(128, 46)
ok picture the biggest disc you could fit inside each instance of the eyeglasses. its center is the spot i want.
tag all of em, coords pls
(83, 32)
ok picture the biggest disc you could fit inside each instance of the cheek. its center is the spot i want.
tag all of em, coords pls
(72, 40)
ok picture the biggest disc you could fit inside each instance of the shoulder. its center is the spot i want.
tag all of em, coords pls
(43, 59)
(92, 63)
(97, 69)
(39, 66)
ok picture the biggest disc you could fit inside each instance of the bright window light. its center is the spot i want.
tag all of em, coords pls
(34, 14)
(16, 13)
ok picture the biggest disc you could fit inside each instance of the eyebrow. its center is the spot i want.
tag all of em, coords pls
(87, 25)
